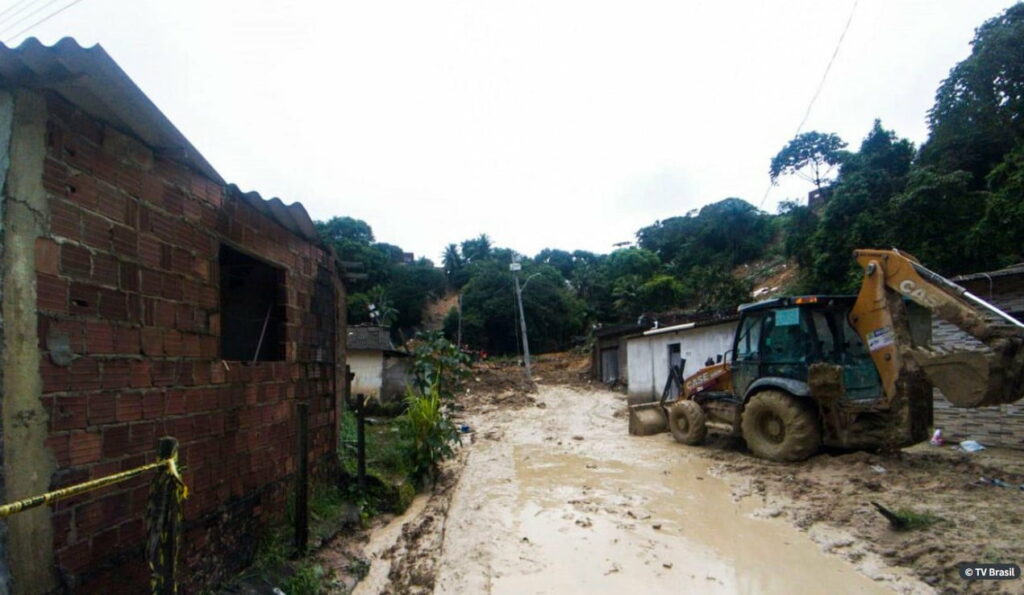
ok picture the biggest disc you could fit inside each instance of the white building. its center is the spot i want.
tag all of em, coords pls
(381, 372)
(650, 354)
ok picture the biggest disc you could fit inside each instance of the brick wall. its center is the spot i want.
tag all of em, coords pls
(128, 298)
(1002, 425)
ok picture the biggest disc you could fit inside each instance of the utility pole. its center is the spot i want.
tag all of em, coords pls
(458, 337)
(515, 267)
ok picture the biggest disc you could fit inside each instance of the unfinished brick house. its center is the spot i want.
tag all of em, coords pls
(1002, 425)
(142, 296)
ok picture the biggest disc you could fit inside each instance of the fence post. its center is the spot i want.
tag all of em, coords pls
(164, 515)
(302, 482)
(360, 443)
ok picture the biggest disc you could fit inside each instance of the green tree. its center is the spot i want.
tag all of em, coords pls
(811, 156)
(477, 249)
(978, 116)
(858, 214)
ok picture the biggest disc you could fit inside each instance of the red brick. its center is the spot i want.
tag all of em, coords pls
(208, 347)
(141, 375)
(143, 436)
(129, 407)
(149, 250)
(133, 531)
(102, 408)
(174, 402)
(113, 205)
(84, 447)
(126, 340)
(163, 314)
(69, 412)
(58, 445)
(115, 441)
(85, 299)
(47, 254)
(125, 242)
(95, 231)
(99, 337)
(172, 287)
(174, 200)
(75, 261)
(65, 220)
(117, 374)
(151, 282)
(55, 176)
(172, 343)
(52, 293)
(129, 276)
(152, 341)
(75, 558)
(152, 404)
(83, 190)
(55, 378)
(113, 304)
(85, 374)
(105, 269)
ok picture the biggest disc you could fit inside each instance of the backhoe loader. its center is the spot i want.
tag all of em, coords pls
(846, 371)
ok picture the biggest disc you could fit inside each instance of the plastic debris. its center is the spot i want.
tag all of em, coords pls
(971, 446)
(879, 469)
(937, 439)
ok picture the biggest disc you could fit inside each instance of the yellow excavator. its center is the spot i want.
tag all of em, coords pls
(846, 371)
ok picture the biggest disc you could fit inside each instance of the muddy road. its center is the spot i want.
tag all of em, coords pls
(556, 497)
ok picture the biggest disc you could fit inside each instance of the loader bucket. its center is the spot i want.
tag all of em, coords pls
(971, 378)
(647, 418)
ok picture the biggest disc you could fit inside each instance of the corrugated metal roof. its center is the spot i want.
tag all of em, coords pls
(91, 80)
(1017, 269)
(373, 338)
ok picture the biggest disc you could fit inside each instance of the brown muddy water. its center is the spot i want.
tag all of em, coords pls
(562, 500)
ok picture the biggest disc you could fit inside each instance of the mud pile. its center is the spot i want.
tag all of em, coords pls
(830, 495)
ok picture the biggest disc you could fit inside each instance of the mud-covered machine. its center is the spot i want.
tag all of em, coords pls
(846, 371)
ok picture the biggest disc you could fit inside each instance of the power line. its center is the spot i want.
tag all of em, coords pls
(13, 6)
(21, 7)
(40, 21)
(821, 85)
(12, 24)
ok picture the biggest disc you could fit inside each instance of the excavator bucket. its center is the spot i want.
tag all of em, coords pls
(647, 418)
(972, 378)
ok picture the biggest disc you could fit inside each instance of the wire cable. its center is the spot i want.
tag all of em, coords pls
(5, 27)
(821, 85)
(12, 7)
(40, 22)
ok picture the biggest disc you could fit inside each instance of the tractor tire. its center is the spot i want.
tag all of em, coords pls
(778, 427)
(687, 422)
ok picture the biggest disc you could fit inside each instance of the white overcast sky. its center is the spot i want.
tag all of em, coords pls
(551, 123)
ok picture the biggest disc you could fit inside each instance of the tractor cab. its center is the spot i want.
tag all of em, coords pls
(778, 340)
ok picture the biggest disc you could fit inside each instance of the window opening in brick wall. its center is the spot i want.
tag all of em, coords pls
(251, 308)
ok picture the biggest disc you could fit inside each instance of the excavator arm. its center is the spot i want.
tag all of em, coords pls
(968, 378)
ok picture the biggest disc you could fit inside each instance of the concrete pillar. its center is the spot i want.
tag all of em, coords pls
(28, 464)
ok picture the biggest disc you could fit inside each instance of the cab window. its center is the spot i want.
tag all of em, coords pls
(749, 338)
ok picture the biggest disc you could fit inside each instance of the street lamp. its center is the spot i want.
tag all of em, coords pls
(515, 267)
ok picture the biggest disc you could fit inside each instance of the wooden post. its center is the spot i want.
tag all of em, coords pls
(360, 443)
(164, 530)
(302, 482)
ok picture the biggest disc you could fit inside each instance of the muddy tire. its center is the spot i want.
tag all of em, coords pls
(778, 427)
(687, 423)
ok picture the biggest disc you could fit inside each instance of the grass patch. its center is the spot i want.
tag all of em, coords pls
(912, 520)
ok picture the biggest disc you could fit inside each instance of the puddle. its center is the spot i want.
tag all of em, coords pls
(380, 540)
(585, 525)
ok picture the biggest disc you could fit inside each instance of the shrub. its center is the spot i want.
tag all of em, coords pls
(427, 431)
